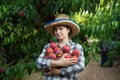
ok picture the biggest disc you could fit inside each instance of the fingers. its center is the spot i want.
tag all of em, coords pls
(70, 59)
(71, 63)
(66, 61)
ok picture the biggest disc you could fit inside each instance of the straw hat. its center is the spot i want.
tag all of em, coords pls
(63, 19)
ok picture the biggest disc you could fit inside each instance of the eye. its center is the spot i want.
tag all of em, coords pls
(61, 28)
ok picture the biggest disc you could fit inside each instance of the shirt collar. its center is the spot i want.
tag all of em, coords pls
(68, 43)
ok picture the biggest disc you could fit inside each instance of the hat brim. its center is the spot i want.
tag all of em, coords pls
(73, 25)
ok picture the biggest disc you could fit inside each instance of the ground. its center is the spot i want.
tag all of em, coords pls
(93, 71)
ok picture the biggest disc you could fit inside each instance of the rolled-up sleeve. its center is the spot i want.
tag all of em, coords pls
(78, 66)
(41, 61)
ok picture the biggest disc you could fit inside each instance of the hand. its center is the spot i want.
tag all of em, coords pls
(66, 61)
(53, 71)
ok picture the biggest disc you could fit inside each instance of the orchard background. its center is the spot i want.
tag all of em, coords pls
(22, 35)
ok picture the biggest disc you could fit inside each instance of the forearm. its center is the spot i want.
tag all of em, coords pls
(47, 63)
(74, 68)
(54, 63)
(62, 62)
(71, 70)
(54, 71)
(58, 72)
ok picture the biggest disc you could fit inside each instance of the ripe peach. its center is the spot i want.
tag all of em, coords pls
(57, 49)
(49, 50)
(67, 56)
(76, 52)
(52, 56)
(53, 45)
(75, 58)
(66, 49)
(22, 14)
(2, 70)
(59, 53)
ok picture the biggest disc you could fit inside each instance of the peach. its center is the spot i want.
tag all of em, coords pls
(49, 50)
(2, 70)
(53, 45)
(75, 58)
(57, 49)
(66, 49)
(22, 14)
(67, 56)
(59, 53)
(52, 56)
(76, 52)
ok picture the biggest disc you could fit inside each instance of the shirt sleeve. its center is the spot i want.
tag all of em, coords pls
(77, 67)
(41, 61)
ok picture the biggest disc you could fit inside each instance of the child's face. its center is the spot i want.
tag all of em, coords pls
(61, 32)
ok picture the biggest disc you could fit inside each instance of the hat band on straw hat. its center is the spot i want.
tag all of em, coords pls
(56, 21)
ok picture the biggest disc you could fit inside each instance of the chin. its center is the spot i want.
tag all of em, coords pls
(60, 38)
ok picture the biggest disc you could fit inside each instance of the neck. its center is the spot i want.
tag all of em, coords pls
(63, 42)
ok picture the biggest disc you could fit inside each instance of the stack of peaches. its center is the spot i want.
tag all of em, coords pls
(54, 52)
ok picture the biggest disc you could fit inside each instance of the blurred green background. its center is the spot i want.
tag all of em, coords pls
(22, 34)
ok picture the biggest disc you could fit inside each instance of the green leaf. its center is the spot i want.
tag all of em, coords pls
(12, 37)
(1, 32)
(5, 10)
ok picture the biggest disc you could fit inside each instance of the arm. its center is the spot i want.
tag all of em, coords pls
(42, 62)
(71, 67)
(62, 62)
(77, 67)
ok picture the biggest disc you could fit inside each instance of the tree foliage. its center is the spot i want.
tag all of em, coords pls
(22, 36)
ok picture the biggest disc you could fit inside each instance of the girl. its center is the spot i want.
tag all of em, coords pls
(63, 29)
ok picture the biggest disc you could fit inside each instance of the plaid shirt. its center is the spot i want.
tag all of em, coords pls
(67, 73)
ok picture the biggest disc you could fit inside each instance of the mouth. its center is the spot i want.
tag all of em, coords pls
(58, 35)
